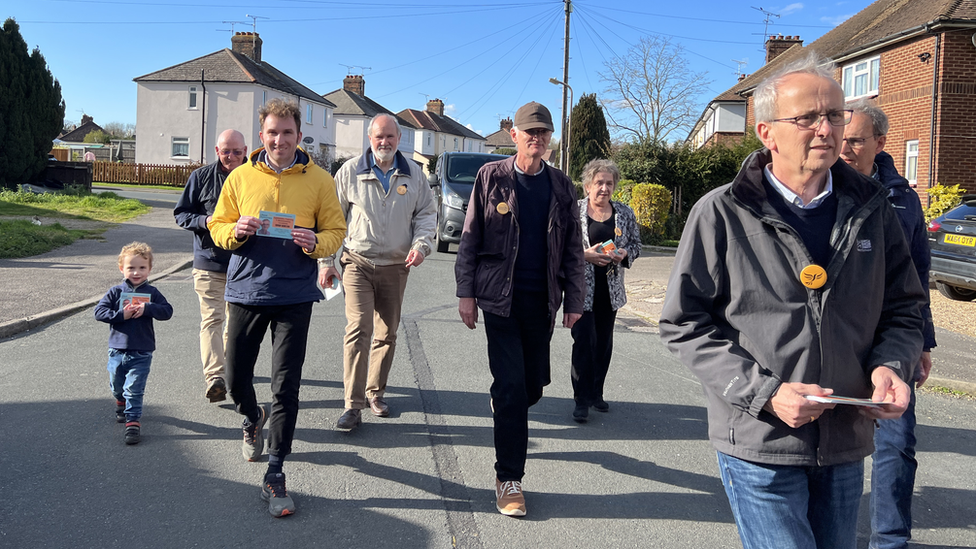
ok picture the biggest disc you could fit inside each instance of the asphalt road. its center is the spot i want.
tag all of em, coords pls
(642, 475)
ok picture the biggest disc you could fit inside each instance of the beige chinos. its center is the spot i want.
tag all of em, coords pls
(373, 294)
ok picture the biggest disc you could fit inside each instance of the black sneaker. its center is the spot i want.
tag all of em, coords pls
(280, 503)
(119, 411)
(217, 390)
(253, 445)
(132, 435)
(580, 413)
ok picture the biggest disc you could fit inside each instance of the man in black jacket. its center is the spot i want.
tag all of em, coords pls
(192, 212)
(893, 463)
(521, 251)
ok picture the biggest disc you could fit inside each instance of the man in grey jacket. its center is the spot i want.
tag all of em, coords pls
(793, 284)
(391, 217)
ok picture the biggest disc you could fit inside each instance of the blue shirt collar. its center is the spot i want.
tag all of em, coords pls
(792, 197)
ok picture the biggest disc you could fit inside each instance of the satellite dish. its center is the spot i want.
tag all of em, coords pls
(308, 140)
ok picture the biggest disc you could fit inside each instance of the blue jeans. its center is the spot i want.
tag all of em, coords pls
(127, 373)
(793, 507)
(893, 480)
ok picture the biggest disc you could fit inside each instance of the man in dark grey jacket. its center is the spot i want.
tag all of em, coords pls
(521, 250)
(792, 285)
(192, 212)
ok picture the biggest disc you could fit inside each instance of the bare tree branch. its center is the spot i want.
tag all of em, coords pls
(651, 91)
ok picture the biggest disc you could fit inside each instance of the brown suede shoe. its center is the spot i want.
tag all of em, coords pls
(379, 407)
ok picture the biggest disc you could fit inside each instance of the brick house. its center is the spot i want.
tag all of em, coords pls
(917, 60)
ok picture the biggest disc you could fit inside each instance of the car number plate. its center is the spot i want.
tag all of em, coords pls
(960, 240)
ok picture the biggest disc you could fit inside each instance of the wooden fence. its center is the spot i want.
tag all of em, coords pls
(142, 174)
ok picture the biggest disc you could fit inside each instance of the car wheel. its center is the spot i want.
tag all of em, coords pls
(956, 293)
(441, 245)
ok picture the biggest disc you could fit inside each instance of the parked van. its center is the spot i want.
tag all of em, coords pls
(451, 183)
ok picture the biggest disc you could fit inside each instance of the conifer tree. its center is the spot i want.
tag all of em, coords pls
(589, 137)
(31, 109)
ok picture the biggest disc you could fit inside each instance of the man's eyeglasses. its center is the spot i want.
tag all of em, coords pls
(228, 152)
(813, 120)
(858, 142)
(538, 132)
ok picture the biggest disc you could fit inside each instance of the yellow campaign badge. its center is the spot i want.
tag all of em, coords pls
(502, 208)
(618, 232)
(402, 189)
(813, 276)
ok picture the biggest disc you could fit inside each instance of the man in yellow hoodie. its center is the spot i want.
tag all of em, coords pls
(272, 281)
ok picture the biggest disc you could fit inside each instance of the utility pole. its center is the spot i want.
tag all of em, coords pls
(564, 145)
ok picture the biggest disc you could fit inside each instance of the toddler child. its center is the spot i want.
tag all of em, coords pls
(129, 309)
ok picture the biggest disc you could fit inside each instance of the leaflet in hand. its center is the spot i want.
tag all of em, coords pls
(132, 298)
(608, 247)
(276, 224)
(847, 400)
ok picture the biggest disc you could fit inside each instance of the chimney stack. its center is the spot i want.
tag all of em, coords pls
(354, 83)
(776, 45)
(247, 43)
(743, 77)
(436, 106)
(506, 124)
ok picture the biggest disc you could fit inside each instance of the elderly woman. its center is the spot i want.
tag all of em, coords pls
(611, 241)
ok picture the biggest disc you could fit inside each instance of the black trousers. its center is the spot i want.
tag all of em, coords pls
(593, 348)
(246, 326)
(518, 356)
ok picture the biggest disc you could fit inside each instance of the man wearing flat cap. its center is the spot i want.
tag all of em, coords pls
(521, 255)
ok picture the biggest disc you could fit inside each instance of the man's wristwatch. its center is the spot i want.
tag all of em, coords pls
(326, 262)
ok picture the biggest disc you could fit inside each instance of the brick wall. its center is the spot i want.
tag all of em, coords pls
(956, 112)
(906, 97)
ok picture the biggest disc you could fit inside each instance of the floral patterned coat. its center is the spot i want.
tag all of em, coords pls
(627, 237)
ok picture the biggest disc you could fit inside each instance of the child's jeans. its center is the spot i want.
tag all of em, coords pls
(127, 373)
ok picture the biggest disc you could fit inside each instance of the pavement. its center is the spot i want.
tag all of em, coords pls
(642, 475)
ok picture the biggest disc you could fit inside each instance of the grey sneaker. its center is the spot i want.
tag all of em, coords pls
(253, 445)
(132, 433)
(280, 503)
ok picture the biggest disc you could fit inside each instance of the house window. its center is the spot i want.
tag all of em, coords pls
(911, 162)
(181, 147)
(861, 78)
(193, 98)
(308, 113)
(325, 118)
(264, 97)
(455, 144)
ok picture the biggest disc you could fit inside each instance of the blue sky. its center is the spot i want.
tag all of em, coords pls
(483, 59)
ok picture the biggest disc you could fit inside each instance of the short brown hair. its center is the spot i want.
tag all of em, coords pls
(279, 108)
(136, 248)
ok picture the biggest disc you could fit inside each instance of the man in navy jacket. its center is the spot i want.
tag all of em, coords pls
(894, 464)
(192, 212)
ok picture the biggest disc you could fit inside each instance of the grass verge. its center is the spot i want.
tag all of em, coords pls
(87, 216)
(21, 238)
(99, 207)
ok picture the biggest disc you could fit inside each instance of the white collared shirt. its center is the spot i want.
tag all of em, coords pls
(795, 199)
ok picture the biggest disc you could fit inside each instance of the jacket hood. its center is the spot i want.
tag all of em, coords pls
(887, 173)
(747, 186)
(258, 159)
